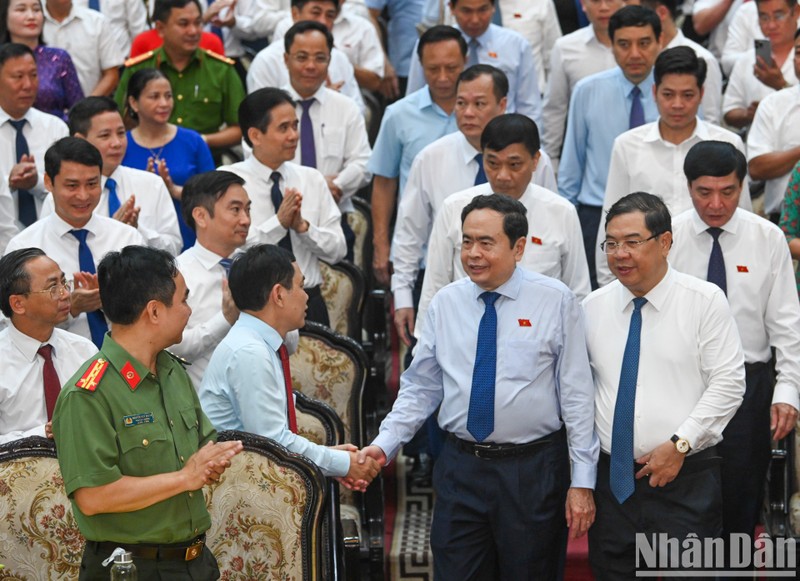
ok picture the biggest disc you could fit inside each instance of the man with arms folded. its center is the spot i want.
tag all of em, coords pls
(496, 516)
(134, 446)
(248, 383)
(748, 258)
(669, 374)
(37, 356)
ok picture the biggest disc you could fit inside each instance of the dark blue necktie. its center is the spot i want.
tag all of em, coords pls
(480, 419)
(97, 322)
(308, 151)
(277, 199)
(226, 264)
(622, 475)
(637, 110)
(480, 177)
(94, 5)
(26, 207)
(716, 262)
(113, 198)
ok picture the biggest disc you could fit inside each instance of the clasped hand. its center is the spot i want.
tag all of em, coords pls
(363, 467)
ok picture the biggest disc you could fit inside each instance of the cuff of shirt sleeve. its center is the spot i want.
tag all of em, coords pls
(786, 394)
(389, 447)
(583, 475)
(403, 299)
(340, 463)
(693, 433)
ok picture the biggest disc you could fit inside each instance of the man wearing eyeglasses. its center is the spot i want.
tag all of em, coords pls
(37, 356)
(668, 371)
(747, 256)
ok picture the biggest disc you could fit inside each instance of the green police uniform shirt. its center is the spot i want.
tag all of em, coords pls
(114, 418)
(206, 94)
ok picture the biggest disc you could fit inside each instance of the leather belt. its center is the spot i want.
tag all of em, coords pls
(177, 552)
(490, 451)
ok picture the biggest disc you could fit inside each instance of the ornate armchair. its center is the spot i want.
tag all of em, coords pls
(360, 220)
(343, 293)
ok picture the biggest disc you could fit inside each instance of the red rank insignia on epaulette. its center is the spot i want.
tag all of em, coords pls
(493, 55)
(129, 375)
(91, 378)
(535, 240)
(742, 269)
(524, 322)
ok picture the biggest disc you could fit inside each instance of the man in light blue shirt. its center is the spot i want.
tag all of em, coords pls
(494, 45)
(401, 31)
(602, 107)
(409, 125)
(504, 353)
(246, 385)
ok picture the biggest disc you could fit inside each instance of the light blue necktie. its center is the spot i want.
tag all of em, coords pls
(480, 419)
(113, 198)
(622, 468)
(716, 262)
(97, 321)
(472, 55)
(480, 177)
(637, 110)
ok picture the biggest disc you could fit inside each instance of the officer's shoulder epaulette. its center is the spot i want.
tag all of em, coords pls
(93, 374)
(220, 57)
(178, 358)
(140, 58)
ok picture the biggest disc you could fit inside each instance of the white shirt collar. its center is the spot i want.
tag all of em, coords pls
(26, 344)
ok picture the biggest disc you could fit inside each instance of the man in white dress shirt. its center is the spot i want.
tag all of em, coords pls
(126, 18)
(650, 158)
(554, 246)
(749, 257)
(752, 79)
(91, 42)
(23, 127)
(37, 357)
(773, 144)
(333, 137)
(713, 17)
(668, 371)
(743, 30)
(217, 208)
(291, 204)
(73, 235)
(132, 196)
(576, 55)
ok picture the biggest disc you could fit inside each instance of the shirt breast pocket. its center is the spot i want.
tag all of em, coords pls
(333, 143)
(141, 449)
(191, 422)
(526, 359)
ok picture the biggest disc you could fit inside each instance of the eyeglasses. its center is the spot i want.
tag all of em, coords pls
(56, 291)
(302, 58)
(778, 17)
(630, 246)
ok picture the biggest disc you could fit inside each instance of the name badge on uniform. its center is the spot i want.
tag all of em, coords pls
(138, 419)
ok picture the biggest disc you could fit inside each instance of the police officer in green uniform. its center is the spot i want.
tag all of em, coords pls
(205, 86)
(134, 445)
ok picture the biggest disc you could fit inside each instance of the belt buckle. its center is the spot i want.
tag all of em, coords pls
(193, 552)
(479, 448)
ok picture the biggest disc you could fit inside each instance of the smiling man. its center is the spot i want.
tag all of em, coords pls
(73, 235)
(668, 373)
(748, 257)
(645, 159)
(299, 214)
(509, 419)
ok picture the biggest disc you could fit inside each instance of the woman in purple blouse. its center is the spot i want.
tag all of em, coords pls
(22, 21)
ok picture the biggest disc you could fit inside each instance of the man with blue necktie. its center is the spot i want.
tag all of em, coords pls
(503, 352)
(669, 375)
(73, 235)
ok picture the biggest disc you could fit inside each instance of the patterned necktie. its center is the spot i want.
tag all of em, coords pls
(480, 418)
(637, 111)
(97, 321)
(226, 264)
(308, 151)
(716, 262)
(26, 207)
(480, 176)
(52, 385)
(283, 353)
(472, 55)
(277, 199)
(622, 468)
(113, 198)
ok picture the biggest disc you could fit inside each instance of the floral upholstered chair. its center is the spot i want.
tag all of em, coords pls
(343, 292)
(360, 221)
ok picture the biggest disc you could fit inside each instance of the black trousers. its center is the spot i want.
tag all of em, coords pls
(589, 217)
(692, 503)
(500, 518)
(745, 451)
(317, 311)
(203, 568)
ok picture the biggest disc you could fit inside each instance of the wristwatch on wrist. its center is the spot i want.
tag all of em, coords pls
(681, 445)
